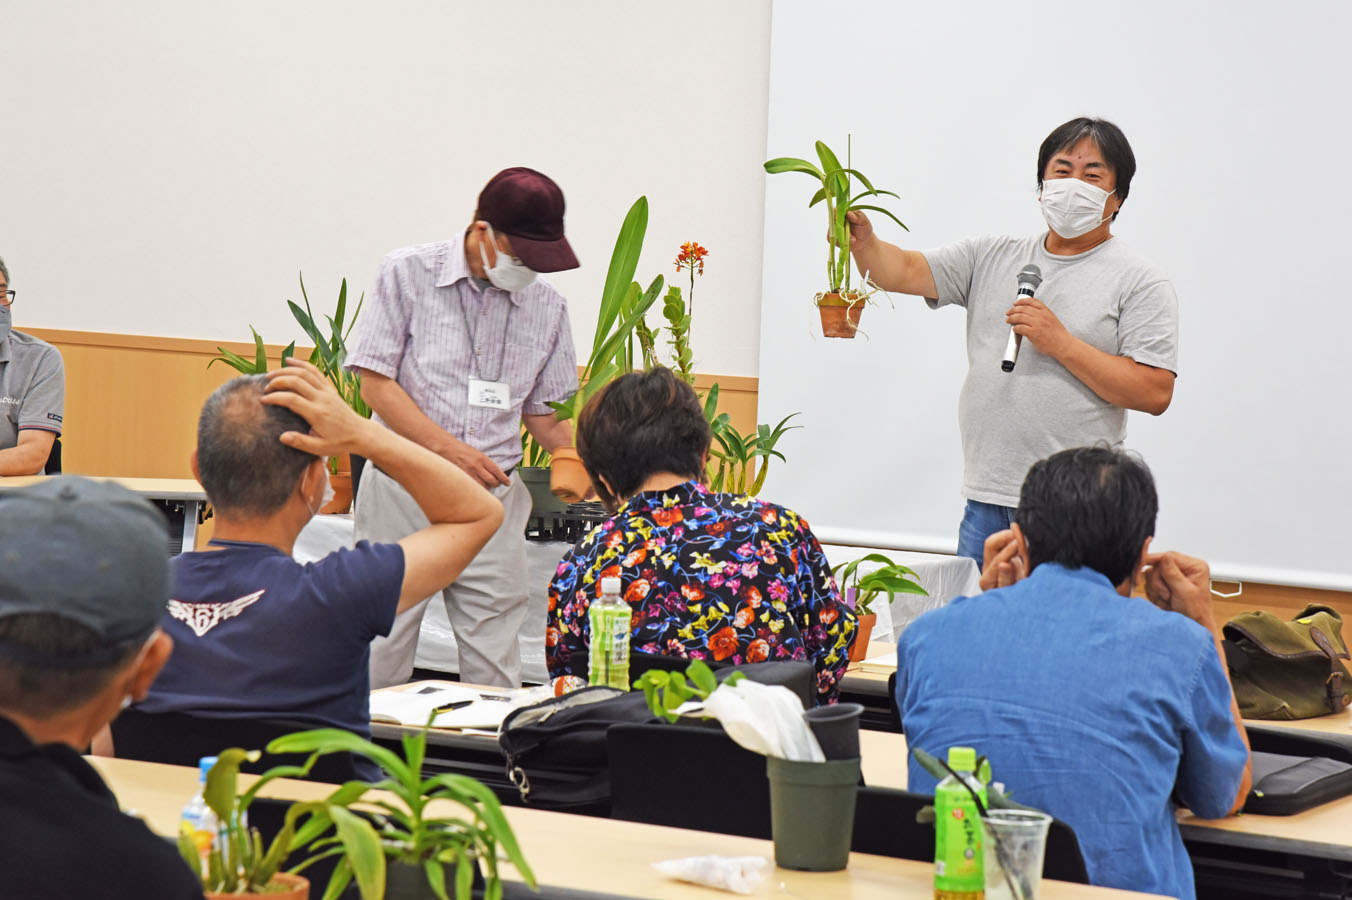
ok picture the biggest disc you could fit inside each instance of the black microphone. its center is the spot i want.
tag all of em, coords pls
(1030, 276)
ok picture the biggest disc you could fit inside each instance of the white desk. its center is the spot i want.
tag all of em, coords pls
(176, 490)
(593, 854)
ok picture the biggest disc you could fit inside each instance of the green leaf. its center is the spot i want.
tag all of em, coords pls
(334, 740)
(702, 676)
(792, 164)
(879, 209)
(339, 880)
(817, 198)
(364, 852)
(623, 262)
(222, 779)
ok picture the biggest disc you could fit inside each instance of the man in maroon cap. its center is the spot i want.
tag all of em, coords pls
(460, 345)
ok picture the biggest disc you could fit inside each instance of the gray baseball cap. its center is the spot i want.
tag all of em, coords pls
(91, 551)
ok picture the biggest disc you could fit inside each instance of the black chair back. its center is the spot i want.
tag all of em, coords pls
(730, 795)
(183, 739)
(53, 464)
(885, 825)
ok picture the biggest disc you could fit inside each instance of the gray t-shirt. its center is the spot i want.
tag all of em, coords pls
(32, 387)
(1108, 297)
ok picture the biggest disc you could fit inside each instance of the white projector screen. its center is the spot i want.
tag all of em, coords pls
(1239, 118)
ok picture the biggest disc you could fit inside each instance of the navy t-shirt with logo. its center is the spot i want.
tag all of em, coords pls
(257, 633)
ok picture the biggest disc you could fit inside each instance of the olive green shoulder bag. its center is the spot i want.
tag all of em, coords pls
(1288, 670)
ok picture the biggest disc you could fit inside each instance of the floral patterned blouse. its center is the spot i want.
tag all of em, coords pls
(719, 577)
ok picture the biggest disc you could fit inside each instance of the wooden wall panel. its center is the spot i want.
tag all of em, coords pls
(132, 401)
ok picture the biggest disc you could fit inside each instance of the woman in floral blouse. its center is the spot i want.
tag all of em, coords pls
(719, 577)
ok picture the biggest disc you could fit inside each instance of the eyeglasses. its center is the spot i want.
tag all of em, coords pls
(7, 298)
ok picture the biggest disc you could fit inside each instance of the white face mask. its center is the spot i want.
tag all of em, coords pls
(325, 500)
(509, 274)
(1073, 207)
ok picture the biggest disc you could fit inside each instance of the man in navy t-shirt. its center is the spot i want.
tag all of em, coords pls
(257, 633)
(1093, 705)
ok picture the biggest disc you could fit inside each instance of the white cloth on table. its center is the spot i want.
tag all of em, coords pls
(945, 577)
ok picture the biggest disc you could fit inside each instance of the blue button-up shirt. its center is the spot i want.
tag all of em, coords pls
(1091, 706)
(431, 328)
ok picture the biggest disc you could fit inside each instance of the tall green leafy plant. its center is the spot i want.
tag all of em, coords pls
(837, 192)
(889, 578)
(406, 829)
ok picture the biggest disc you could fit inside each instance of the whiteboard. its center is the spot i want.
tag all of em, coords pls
(1239, 118)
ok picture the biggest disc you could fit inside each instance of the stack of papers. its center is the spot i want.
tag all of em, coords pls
(473, 707)
(885, 662)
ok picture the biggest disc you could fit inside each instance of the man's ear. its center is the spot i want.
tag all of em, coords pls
(1022, 543)
(196, 473)
(148, 663)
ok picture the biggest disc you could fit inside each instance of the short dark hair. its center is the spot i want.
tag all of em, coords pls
(42, 691)
(640, 424)
(243, 464)
(1110, 140)
(1089, 507)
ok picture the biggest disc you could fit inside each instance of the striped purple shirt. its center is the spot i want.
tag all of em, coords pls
(430, 327)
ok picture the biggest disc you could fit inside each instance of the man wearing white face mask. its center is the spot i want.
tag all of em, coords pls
(32, 393)
(1099, 338)
(256, 632)
(460, 346)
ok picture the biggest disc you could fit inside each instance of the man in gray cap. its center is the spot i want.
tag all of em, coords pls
(32, 393)
(84, 580)
(461, 345)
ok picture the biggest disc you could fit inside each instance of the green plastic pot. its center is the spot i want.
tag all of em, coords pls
(812, 812)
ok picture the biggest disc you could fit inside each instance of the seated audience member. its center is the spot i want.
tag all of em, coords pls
(32, 391)
(718, 577)
(258, 634)
(1093, 705)
(83, 585)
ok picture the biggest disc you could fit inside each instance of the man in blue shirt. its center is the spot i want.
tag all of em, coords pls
(1093, 705)
(257, 633)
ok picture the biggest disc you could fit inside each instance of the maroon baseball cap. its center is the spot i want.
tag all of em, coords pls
(527, 206)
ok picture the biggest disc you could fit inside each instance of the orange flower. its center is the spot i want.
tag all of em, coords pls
(753, 595)
(758, 651)
(637, 591)
(692, 592)
(691, 257)
(551, 636)
(723, 643)
(636, 556)
(668, 517)
(607, 572)
(743, 617)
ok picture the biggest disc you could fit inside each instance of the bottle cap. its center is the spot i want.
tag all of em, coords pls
(962, 759)
(204, 766)
(610, 584)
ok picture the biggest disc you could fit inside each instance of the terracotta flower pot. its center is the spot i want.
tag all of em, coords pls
(862, 635)
(294, 887)
(568, 480)
(840, 314)
(341, 483)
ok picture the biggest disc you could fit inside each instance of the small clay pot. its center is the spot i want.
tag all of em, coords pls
(840, 317)
(862, 634)
(298, 888)
(341, 483)
(568, 479)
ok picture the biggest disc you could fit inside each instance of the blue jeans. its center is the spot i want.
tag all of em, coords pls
(980, 521)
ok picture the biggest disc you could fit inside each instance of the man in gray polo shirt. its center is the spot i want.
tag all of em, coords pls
(1100, 336)
(460, 345)
(32, 393)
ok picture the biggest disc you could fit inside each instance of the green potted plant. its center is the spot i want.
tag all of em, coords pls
(407, 846)
(329, 356)
(237, 863)
(862, 588)
(840, 305)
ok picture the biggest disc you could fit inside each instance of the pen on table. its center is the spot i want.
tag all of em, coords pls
(459, 704)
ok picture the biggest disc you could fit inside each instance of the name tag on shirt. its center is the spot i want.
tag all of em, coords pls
(489, 394)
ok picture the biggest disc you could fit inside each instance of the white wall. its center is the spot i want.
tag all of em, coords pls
(169, 166)
(1239, 117)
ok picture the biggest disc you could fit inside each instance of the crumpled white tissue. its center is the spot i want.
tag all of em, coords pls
(739, 874)
(765, 719)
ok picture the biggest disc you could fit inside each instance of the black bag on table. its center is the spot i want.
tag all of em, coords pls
(1286, 785)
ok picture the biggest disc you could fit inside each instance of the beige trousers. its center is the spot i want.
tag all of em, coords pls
(485, 605)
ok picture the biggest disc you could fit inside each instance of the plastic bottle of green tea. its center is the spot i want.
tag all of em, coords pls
(958, 873)
(609, 620)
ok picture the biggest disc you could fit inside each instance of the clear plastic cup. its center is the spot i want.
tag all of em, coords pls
(1016, 840)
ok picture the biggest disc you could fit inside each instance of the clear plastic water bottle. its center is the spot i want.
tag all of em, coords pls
(197, 818)
(958, 870)
(609, 620)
